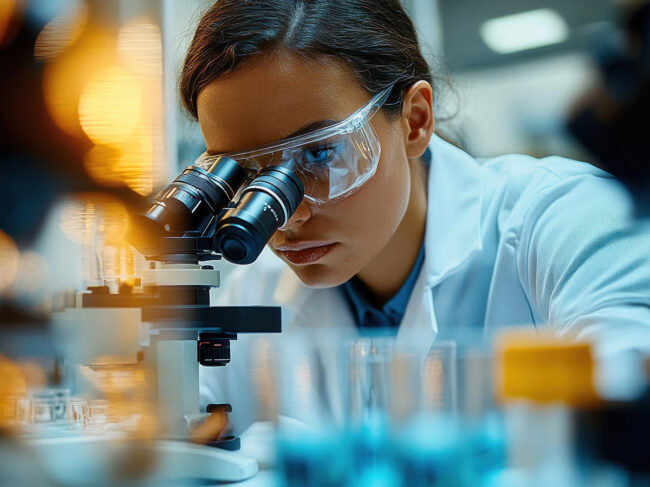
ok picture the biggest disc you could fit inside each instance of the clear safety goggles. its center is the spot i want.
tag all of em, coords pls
(332, 162)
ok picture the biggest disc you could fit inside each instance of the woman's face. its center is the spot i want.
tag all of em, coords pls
(274, 95)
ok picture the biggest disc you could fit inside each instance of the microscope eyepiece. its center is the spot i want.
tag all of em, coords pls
(183, 218)
(195, 197)
(265, 205)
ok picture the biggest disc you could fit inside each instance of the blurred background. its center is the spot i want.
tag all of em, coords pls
(515, 76)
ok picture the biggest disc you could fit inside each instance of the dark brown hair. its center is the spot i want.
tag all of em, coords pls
(375, 38)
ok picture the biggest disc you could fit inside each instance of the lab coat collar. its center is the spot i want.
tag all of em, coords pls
(419, 326)
(455, 196)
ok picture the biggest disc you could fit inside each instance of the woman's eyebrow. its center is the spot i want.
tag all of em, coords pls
(302, 130)
(311, 126)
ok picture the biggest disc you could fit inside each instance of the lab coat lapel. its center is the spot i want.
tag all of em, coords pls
(455, 199)
(419, 327)
(452, 236)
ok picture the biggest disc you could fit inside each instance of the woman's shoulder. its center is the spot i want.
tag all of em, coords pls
(525, 170)
(556, 188)
(525, 180)
(517, 188)
(507, 187)
(514, 173)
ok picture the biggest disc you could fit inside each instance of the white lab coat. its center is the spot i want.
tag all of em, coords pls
(509, 241)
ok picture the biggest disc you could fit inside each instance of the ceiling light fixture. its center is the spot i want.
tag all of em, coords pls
(526, 30)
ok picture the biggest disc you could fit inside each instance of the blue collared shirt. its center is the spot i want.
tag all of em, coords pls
(391, 313)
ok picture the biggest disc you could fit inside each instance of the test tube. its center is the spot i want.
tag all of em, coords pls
(371, 369)
(76, 413)
(8, 410)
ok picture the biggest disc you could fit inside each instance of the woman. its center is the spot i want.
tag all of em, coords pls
(420, 239)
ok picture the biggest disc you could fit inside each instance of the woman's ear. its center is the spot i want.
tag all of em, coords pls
(417, 118)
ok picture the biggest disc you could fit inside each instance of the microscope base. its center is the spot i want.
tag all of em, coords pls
(202, 462)
(80, 459)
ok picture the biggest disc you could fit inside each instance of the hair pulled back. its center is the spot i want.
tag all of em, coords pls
(375, 38)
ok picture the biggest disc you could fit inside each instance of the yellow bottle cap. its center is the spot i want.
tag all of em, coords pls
(544, 369)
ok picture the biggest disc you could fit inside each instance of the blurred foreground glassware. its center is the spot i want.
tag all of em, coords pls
(427, 451)
(312, 459)
(46, 405)
(8, 405)
(97, 414)
(426, 440)
(542, 379)
(369, 377)
(483, 446)
(76, 413)
(22, 406)
(400, 416)
(439, 381)
(60, 400)
(297, 382)
(380, 393)
(42, 410)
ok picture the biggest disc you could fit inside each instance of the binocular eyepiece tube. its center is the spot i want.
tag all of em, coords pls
(197, 196)
(265, 205)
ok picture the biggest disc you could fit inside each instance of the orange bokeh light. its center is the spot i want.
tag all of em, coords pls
(109, 107)
(65, 77)
(140, 44)
(9, 261)
(120, 110)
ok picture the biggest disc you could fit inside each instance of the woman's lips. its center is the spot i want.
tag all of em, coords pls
(305, 252)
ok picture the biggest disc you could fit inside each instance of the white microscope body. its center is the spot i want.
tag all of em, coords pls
(163, 337)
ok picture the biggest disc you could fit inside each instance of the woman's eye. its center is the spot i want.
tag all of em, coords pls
(319, 156)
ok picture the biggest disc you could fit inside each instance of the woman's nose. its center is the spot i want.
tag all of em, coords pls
(299, 217)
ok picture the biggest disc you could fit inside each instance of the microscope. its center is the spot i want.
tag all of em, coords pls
(167, 321)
